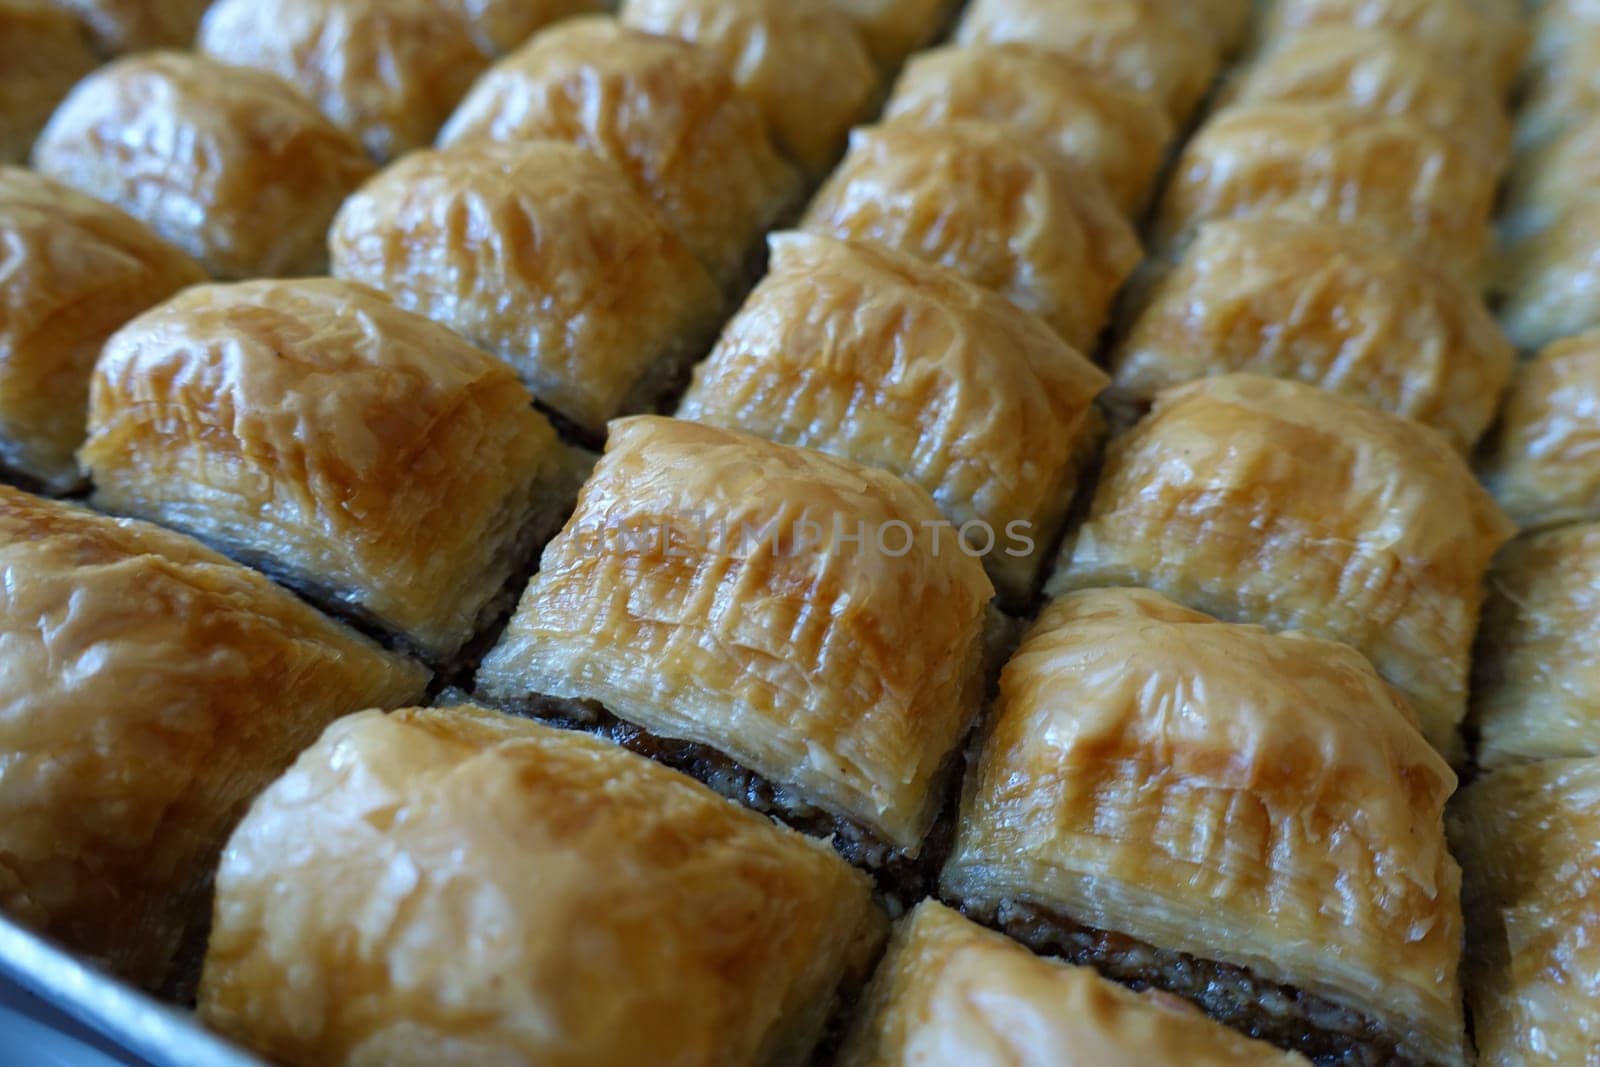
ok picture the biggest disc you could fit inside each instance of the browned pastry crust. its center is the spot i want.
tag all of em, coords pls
(75, 270)
(662, 110)
(1323, 304)
(499, 26)
(1115, 133)
(893, 29)
(388, 72)
(872, 355)
(1273, 502)
(455, 886)
(42, 55)
(566, 273)
(364, 454)
(803, 61)
(972, 197)
(1220, 792)
(706, 591)
(151, 688)
(232, 165)
(123, 26)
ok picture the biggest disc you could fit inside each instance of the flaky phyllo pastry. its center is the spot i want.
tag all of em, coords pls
(979, 200)
(42, 54)
(803, 632)
(232, 165)
(1045, 99)
(456, 886)
(952, 994)
(1276, 503)
(501, 25)
(871, 355)
(567, 273)
(662, 110)
(1526, 837)
(1223, 812)
(74, 271)
(1323, 304)
(151, 689)
(359, 452)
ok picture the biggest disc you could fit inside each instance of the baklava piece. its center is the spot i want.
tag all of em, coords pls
(1323, 304)
(565, 272)
(864, 353)
(455, 886)
(1167, 49)
(1401, 181)
(74, 271)
(803, 61)
(388, 72)
(1537, 688)
(1544, 466)
(1526, 837)
(500, 26)
(122, 26)
(800, 632)
(972, 197)
(362, 454)
(951, 994)
(893, 29)
(1247, 819)
(152, 688)
(1550, 276)
(232, 165)
(42, 56)
(661, 109)
(1276, 503)
(1114, 133)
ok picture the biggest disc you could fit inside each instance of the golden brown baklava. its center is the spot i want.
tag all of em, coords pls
(74, 271)
(801, 632)
(359, 452)
(1248, 819)
(952, 994)
(566, 272)
(500, 26)
(893, 29)
(232, 165)
(122, 26)
(1550, 275)
(1526, 837)
(456, 886)
(1276, 503)
(662, 110)
(42, 55)
(151, 689)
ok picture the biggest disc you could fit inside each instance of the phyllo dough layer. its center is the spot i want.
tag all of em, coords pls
(1117, 134)
(1526, 837)
(1537, 692)
(565, 272)
(455, 886)
(388, 72)
(864, 353)
(1323, 304)
(121, 26)
(1275, 503)
(74, 271)
(42, 55)
(1400, 180)
(972, 197)
(662, 110)
(803, 61)
(708, 590)
(362, 453)
(151, 689)
(951, 994)
(1550, 275)
(1544, 467)
(1261, 800)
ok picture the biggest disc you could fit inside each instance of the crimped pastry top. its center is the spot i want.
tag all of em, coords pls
(456, 885)
(951, 994)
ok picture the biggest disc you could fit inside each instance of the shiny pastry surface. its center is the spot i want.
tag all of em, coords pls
(74, 271)
(456, 886)
(895, 363)
(1549, 275)
(708, 590)
(976, 199)
(499, 26)
(232, 165)
(122, 26)
(1276, 503)
(567, 273)
(893, 29)
(42, 55)
(151, 689)
(362, 453)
